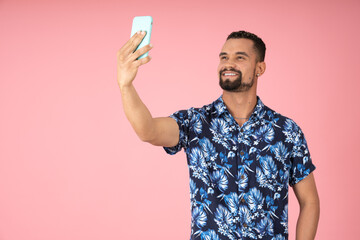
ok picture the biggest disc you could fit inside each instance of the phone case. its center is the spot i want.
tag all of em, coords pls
(143, 23)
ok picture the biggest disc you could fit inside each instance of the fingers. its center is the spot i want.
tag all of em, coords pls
(140, 52)
(142, 61)
(132, 43)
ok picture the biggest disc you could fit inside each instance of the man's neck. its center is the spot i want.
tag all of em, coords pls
(240, 104)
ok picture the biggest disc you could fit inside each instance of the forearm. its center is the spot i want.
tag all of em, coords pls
(137, 113)
(308, 221)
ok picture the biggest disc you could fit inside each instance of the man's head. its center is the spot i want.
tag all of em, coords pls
(259, 45)
(241, 61)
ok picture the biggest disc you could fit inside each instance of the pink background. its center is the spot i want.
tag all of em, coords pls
(72, 168)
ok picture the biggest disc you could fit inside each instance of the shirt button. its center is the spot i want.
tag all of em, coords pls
(243, 200)
(242, 177)
(241, 153)
(245, 225)
(242, 130)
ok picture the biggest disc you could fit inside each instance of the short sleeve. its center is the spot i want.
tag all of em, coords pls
(301, 163)
(182, 119)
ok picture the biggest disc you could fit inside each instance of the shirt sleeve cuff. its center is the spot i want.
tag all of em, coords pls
(305, 174)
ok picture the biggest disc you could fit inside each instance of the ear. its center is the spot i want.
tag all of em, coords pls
(260, 68)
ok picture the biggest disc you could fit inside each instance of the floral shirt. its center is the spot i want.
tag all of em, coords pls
(239, 176)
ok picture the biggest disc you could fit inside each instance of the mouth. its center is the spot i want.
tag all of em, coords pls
(229, 74)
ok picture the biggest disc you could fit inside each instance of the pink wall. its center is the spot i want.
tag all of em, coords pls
(70, 165)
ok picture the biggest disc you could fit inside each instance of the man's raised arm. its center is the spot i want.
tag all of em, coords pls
(157, 131)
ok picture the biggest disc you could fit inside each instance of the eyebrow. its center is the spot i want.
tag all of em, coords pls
(237, 53)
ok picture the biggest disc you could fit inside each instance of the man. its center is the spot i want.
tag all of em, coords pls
(242, 155)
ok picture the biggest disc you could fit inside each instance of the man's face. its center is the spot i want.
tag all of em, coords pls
(237, 65)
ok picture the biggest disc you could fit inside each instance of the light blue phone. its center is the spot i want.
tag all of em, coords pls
(143, 23)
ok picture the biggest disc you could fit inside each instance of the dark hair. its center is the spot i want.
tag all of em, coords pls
(259, 45)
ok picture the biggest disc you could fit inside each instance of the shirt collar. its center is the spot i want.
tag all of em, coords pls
(257, 114)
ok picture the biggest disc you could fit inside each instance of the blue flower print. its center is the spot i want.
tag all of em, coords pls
(242, 180)
(265, 133)
(209, 235)
(219, 180)
(232, 203)
(280, 151)
(199, 217)
(265, 227)
(255, 199)
(224, 220)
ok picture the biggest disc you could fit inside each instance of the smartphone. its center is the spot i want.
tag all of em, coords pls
(143, 23)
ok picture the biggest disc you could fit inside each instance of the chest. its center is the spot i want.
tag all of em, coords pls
(240, 146)
(240, 122)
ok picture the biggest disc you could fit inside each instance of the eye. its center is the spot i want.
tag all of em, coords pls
(223, 57)
(240, 57)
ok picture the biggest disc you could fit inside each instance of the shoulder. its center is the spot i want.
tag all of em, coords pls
(207, 110)
(284, 122)
(289, 131)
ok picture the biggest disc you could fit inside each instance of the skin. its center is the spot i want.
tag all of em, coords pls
(240, 55)
(309, 202)
(157, 131)
(236, 55)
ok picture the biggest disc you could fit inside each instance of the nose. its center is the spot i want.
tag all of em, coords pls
(229, 65)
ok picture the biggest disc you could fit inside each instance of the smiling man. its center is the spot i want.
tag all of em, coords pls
(242, 155)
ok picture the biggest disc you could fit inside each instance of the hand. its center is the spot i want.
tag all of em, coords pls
(127, 59)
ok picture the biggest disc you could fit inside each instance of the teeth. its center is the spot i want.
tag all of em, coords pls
(229, 74)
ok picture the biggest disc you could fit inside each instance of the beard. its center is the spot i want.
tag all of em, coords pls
(236, 85)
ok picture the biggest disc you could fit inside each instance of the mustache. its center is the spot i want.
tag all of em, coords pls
(230, 69)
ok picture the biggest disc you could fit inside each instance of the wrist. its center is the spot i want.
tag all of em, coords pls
(124, 86)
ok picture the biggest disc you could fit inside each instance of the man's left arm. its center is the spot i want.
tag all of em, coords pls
(308, 198)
